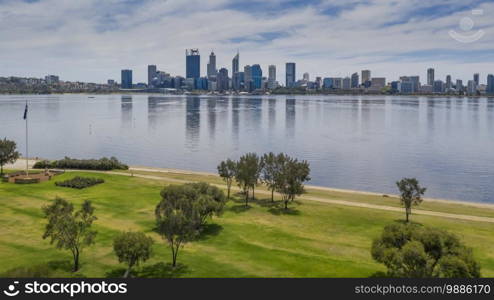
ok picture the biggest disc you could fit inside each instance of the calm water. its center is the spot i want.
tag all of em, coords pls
(353, 142)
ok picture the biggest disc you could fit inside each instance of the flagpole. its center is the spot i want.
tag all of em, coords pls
(27, 153)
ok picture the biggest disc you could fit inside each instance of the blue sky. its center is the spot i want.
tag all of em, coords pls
(92, 40)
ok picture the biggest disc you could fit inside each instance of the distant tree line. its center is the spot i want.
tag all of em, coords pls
(103, 164)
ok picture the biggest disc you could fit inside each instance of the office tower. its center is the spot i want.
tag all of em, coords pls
(438, 87)
(347, 83)
(378, 83)
(490, 84)
(472, 87)
(126, 82)
(256, 73)
(410, 84)
(211, 68)
(272, 77)
(366, 78)
(355, 80)
(306, 76)
(459, 85)
(51, 79)
(327, 83)
(248, 85)
(430, 76)
(476, 78)
(192, 63)
(235, 72)
(177, 82)
(318, 82)
(235, 63)
(290, 75)
(449, 84)
(151, 74)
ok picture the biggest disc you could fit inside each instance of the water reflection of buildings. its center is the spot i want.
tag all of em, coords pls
(211, 106)
(271, 113)
(290, 116)
(235, 119)
(192, 121)
(126, 111)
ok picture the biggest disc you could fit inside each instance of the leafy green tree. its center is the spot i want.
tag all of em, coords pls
(271, 164)
(291, 177)
(8, 153)
(68, 229)
(410, 194)
(226, 170)
(183, 211)
(413, 251)
(248, 173)
(132, 248)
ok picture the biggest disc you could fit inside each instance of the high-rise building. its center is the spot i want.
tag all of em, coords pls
(306, 76)
(272, 77)
(290, 75)
(472, 87)
(378, 83)
(355, 80)
(337, 83)
(318, 82)
(347, 83)
(449, 83)
(192, 63)
(366, 78)
(222, 80)
(256, 76)
(490, 84)
(151, 74)
(459, 85)
(476, 78)
(235, 72)
(438, 87)
(430, 76)
(51, 79)
(327, 83)
(126, 82)
(211, 68)
(248, 84)
(410, 84)
(235, 63)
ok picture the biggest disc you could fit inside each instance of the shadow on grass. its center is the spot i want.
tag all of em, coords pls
(162, 270)
(282, 211)
(118, 273)
(209, 230)
(56, 268)
(239, 208)
(380, 274)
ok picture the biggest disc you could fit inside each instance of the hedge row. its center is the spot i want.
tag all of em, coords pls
(103, 164)
(79, 182)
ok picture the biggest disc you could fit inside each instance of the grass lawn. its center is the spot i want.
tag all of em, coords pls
(312, 240)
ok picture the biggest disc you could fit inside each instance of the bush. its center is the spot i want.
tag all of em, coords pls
(414, 251)
(26, 180)
(103, 164)
(80, 182)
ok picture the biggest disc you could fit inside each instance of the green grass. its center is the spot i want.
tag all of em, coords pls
(312, 240)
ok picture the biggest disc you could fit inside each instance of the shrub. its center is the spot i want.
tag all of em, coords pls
(103, 164)
(80, 182)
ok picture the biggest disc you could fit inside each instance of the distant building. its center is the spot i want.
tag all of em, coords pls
(472, 87)
(248, 83)
(476, 79)
(211, 68)
(347, 83)
(406, 87)
(111, 82)
(256, 76)
(430, 76)
(272, 77)
(151, 74)
(449, 83)
(459, 85)
(355, 80)
(318, 82)
(290, 75)
(426, 89)
(235, 63)
(414, 81)
(337, 83)
(366, 78)
(222, 80)
(306, 76)
(438, 87)
(51, 79)
(126, 82)
(490, 84)
(377, 83)
(235, 72)
(192, 63)
(177, 82)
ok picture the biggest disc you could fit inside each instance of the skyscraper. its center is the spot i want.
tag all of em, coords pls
(211, 69)
(355, 80)
(151, 74)
(490, 84)
(290, 74)
(248, 85)
(235, 72)
(306, 76)
(222, 80)
(366, 78)
(126, 79)
(459, 85)
(272, 77)
(430, 76)
(256, 76)
(476, 78)
(449, 83)
(235, 63)
(192, 63)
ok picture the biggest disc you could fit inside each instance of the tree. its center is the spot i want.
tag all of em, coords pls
(8, 153)
(410, 194)
(413, 251)
(226, 170)
(270, 171)
(248, 173)
(183, 211)
(132, 248)
(69, 230)
(291, 177)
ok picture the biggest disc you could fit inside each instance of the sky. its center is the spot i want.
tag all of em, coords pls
(92, 40)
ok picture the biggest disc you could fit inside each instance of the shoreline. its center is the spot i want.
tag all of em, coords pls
(21, 164)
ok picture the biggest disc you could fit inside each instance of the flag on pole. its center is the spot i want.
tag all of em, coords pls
(25, 112)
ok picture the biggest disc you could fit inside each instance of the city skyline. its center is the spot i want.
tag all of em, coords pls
(79, 43)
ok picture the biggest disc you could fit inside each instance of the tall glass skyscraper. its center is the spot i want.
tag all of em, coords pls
(151, 74)
(126, 79)
(430, 76)
(490, 84)
(290, 74)
(256, 76)
(192, 63)
(212, 72)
